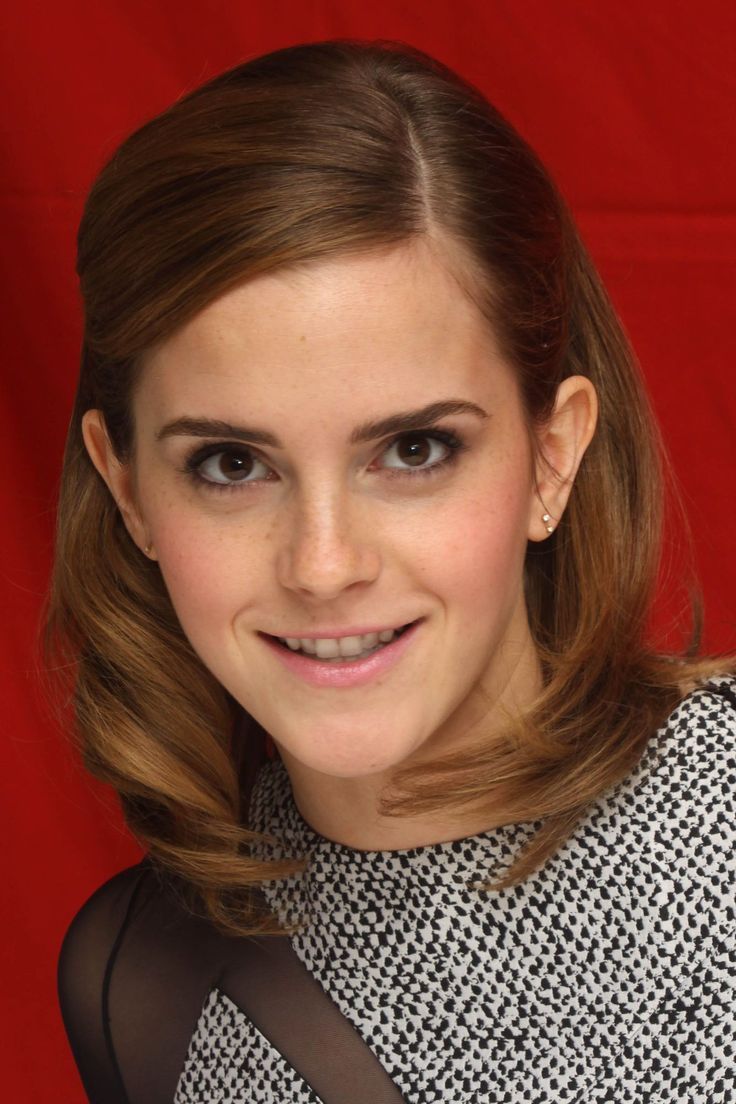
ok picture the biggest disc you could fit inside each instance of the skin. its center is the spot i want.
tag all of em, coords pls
(323, 533)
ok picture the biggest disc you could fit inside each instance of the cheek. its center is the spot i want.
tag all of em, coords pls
(210, 572)
(475, 557)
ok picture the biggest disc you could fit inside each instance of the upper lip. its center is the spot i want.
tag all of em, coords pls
(333, 633)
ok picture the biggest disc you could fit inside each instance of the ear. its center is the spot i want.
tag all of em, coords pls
(562, 442)
(116, 475)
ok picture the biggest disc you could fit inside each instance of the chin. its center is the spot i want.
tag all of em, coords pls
(329, 758)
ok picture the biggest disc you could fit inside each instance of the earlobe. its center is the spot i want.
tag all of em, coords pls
(562, 442)
(549, 522)
(115, 474)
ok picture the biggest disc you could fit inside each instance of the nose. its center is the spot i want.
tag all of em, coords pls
(326, 547)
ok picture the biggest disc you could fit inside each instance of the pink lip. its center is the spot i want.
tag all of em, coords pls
(356, 673)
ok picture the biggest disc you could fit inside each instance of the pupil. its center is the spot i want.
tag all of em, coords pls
(233, 465)
(414, 443)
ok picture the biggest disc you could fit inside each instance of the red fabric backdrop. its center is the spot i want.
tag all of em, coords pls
(630, 104)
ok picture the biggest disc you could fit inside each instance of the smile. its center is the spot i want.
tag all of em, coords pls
(339, 649)
(342, 671)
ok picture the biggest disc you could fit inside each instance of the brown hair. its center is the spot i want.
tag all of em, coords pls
(310, 152)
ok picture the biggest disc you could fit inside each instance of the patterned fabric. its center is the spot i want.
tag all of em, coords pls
(607, 976)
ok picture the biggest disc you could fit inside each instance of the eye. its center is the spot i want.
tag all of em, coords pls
(413, 449)
(226, 466)
(223, 467)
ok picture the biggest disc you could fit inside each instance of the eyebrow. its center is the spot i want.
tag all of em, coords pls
(403, 422)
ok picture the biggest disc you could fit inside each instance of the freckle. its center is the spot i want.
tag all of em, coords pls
(303, 337)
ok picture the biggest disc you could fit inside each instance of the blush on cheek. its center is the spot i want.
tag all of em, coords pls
(482, 550)
(209, 583)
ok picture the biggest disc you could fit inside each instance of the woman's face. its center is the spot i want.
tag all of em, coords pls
(268, 516)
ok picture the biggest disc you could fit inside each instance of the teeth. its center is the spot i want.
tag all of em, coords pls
(327, 649)
(345, 646)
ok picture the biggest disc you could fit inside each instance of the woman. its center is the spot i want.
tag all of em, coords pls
(357, 541)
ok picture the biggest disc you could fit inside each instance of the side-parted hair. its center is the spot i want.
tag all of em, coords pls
(311, 152)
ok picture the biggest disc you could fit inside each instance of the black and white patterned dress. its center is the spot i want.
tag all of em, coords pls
(607, 976)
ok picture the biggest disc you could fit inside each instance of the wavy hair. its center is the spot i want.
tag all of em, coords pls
(311, 152)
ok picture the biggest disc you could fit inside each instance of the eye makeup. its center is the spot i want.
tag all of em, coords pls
(195, 462)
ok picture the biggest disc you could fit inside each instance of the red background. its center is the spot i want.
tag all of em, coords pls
(630, 104)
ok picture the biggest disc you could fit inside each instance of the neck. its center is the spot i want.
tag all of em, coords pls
(347, 810)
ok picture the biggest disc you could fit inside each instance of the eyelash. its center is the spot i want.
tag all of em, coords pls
(194, 461)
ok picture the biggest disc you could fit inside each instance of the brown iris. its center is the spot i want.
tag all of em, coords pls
(414, 448)
(234, 465)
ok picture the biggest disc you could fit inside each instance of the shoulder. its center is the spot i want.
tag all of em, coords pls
(134, 968)
(697, 781)
(672, 821)
(84, 969)
(710, 709)
(101, 921)
(137, 918)
(690, 762)
(682, 842)
(98, 927)
(692, 758)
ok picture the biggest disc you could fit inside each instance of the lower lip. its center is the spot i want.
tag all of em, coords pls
(356, 673)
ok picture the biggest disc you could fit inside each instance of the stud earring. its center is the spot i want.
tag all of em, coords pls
(148, 549)
(547, 518)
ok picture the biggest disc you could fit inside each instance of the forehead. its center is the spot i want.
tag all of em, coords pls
(391, 326)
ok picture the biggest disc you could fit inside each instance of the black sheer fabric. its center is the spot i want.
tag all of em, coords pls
(136, 966)
(134, 971)
(133, 974)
